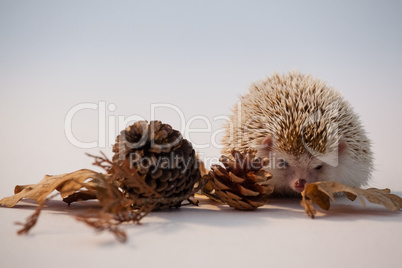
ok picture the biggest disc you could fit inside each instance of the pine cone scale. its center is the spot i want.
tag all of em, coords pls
(235, 178)
(247, 192)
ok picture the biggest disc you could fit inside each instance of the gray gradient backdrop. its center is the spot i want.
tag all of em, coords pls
(196, 55)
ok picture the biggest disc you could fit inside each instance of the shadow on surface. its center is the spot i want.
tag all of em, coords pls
(212, 214)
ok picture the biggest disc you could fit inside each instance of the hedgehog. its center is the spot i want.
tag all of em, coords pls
(306, 129)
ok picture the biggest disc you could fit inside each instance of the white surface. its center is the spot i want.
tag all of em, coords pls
(197, 56)
(278, 235)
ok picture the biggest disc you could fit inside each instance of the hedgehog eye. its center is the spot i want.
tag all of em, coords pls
(318, 167)
(283, 163)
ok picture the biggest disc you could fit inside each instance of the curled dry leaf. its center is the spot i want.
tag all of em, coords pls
(66, 184)
(116, 205)
(321, 192)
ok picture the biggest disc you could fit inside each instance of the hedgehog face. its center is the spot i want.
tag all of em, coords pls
(291, 173)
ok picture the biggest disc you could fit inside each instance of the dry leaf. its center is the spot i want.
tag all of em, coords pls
(308, 207)
(85, 184)
(66, 184)
(316, 196)
(321, 192)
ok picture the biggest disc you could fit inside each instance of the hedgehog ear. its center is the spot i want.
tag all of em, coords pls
(268, 142)
(342, 147)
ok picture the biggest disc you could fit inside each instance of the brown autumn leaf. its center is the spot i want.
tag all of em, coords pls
(321, 192)
(66, 184)
(315, 196)
(308, 207)
(116, 206)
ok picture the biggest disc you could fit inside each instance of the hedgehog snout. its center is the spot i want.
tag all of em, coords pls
(299, 185)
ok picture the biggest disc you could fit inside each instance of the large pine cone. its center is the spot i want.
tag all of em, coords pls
(162, 158)
(241, 183)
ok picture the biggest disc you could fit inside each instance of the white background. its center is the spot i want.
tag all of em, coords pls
(197, 56)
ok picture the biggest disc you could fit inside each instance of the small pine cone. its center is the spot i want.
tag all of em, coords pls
(241, 183)
(162, 158)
